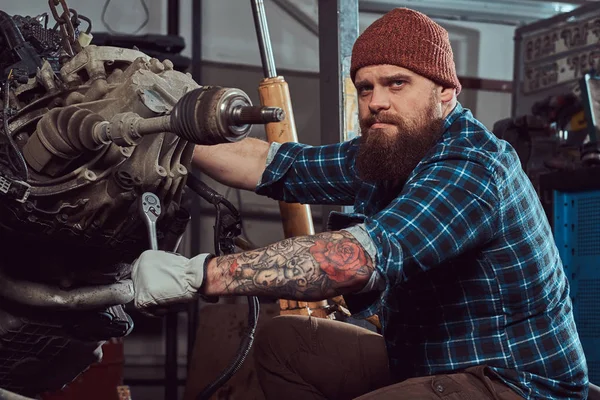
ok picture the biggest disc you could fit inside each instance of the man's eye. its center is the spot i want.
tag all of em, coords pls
(398, 83)
(363, 90)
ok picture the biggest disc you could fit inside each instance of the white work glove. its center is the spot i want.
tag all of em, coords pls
(161, 279)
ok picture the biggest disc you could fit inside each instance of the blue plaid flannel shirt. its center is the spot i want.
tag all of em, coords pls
(469, 269)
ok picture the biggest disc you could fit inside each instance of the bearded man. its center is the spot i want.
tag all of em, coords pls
(448, 244)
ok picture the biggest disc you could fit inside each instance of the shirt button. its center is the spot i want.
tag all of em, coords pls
(439, 388)
(379, 239)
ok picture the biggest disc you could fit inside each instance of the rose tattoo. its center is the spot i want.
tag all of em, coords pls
(340, 260)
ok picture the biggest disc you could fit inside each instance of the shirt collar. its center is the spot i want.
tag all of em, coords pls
(453, 116)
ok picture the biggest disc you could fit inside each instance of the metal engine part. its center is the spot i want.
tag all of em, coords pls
(69, 224)
(81, 195)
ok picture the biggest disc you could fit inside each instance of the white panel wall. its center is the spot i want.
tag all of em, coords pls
(484, 51)
(496, 48)
(229, 35)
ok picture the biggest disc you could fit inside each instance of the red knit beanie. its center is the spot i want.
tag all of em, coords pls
(408, 39)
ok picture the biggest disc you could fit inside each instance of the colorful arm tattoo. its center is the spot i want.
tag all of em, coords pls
(301, 268)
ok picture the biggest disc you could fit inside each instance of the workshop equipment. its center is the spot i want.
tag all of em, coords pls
(571, 199)
(150, 210)
(207, 115)
(551, 57)
(274, 92)
(552, 54)
(572, 202)
(590, 93)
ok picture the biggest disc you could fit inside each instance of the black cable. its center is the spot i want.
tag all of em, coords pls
(89, 22)
(217, 231)
(239, 199)
(46, 20)
(142, 26)
(238, 195)
(76, 17)
(242, 354)
(210, 195)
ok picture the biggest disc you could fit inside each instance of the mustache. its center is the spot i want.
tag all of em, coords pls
(381, 118)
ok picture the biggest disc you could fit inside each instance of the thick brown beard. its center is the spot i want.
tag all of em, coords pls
(383, 157)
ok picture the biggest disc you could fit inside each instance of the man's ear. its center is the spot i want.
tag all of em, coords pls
(447, 94)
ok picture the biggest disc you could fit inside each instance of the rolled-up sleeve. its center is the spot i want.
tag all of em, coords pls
(298, 173)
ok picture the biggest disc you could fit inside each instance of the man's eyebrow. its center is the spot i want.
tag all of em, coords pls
(384, 79)
(396, 77)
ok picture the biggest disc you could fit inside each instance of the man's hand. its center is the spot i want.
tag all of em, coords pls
(161, 279)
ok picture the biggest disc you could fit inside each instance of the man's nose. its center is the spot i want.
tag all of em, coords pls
(380, 100)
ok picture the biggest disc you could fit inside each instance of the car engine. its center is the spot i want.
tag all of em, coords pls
(70, 224)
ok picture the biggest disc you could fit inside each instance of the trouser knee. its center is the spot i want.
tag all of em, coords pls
(280, 336)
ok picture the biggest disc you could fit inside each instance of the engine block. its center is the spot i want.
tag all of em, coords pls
(69, 209)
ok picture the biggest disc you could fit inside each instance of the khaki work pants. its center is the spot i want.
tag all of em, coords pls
(308, 358)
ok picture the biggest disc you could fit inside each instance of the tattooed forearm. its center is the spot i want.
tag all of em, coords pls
(303, 268)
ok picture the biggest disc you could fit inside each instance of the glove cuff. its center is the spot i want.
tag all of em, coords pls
(195, 271)
(208, 299)
(209, 257)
